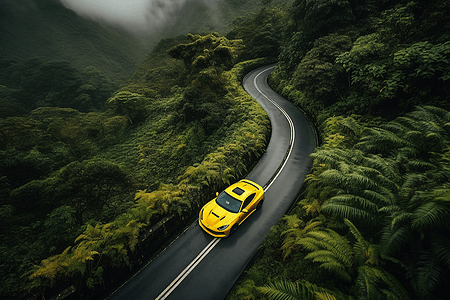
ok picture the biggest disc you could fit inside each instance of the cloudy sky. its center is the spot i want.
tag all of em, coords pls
(134, 15)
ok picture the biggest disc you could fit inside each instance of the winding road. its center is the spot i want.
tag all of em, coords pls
(198, 266)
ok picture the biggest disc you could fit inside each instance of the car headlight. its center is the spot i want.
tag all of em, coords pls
(201, 214)
(223, 227)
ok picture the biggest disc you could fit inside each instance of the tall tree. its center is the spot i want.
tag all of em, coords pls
(131, 105)
(90, 185)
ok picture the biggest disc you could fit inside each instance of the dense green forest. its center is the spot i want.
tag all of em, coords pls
(161, 147)
(372, 221)
(89, 168)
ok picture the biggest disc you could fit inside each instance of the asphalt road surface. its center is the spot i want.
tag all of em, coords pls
(199, 266)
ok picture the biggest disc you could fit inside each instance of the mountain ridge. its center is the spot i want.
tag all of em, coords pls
(48, 30)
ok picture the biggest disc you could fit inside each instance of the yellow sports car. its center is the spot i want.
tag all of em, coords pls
(221, 216)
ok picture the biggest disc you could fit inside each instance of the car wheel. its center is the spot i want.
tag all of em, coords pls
(260, 203)
(233, 229)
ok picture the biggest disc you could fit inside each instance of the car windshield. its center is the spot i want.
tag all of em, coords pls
(229, 203)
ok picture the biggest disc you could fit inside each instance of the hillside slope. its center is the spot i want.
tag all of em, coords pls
(48, 30)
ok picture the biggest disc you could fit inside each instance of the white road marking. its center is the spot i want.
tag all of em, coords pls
(215, 241)
(291, 125)
(188, 269)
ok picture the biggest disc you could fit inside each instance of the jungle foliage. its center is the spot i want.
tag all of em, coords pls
(87, 167)
(85, 185)
(372, 221)
(37, 83)
(383, 59)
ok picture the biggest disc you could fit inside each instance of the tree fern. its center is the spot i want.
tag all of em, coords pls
(130, 233)
(398, 217)
(395, 238)
(296, 231)
(381, 172)
(395, 127)
(441, 248)
(246, 290)
(285, 290)
(413, 181)
(304, 291)
(367, 284)
(330, 157)
(435, 113)
(71, 262)
(342, 132)
(419, 165)
(299, 290)
(356, 202)
(344, 180)
(51, 268)
(426, 275)
(363, 251)
(430, 215)
(381, 141)
(395, 180)
(383, 197)
(345, 210)
(330, 262)
(331, 250)
(375, 283)
(313, 207)
(335, 253)
(168, 198)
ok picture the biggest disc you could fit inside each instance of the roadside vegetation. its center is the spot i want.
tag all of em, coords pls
(80, 188)
(372, 221)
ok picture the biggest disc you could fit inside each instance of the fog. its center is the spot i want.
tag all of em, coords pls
(137, 16)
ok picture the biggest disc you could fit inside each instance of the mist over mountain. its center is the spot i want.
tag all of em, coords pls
(47, 29)
(140, 17)
(114, 36)
(157, 19)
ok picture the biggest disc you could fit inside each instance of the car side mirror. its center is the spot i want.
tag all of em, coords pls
(245, 210)
(217, 194)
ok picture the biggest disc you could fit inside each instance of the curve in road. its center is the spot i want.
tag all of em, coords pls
(198, 266)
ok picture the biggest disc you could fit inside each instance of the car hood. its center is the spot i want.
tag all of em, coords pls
(216, 216)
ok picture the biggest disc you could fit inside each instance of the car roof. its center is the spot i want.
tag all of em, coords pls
(240, 190)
